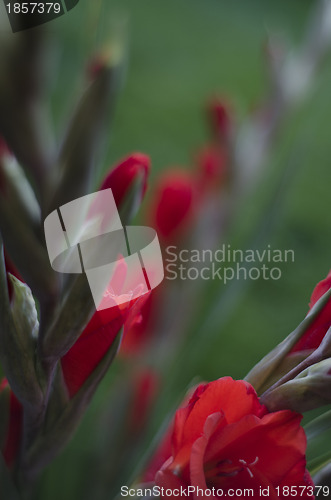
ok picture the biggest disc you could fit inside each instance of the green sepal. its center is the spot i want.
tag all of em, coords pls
(24, 311)
(16, 360)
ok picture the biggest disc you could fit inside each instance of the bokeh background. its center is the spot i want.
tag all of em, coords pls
(180, 52)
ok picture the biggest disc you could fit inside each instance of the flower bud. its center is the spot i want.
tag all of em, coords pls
(24, 120)
(128, 182)
(90, 348)
(220, 119)
(173, 206)
(86, 133)
(145, 389)
(212, 168)
(97, 338)
(308, 390)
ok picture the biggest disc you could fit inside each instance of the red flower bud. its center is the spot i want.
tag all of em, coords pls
(220, 118)
(224, 438)
(317, 330)
(145, 389)
(212, 165)
(174, 204)
(97, 337)
(87, 352)
(121, 178)
(14, 431)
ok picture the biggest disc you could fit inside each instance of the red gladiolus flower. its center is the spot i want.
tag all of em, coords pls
(225, 439)
(121, 178)
(316, 331)
(173, 206)
(14, 431)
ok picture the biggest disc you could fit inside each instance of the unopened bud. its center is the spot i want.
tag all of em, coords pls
(308, 390)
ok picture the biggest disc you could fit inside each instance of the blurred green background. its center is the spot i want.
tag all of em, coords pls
(180, 53)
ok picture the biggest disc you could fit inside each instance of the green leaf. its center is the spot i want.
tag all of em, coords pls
(318, 433)
(24, 116)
